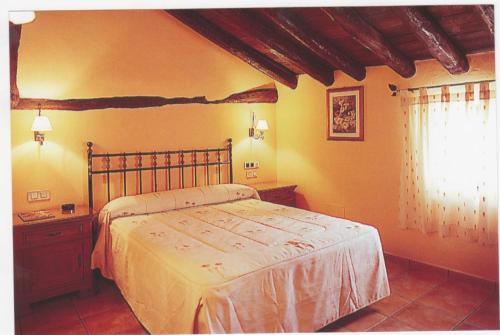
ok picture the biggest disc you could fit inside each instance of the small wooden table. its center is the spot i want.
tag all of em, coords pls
(275, 192)
(52, 257)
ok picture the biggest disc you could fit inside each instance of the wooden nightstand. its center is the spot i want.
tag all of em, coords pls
(278, 193)
(52, 257)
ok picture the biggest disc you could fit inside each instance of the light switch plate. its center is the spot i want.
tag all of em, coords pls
(251, 165)
(38, 195)
(32, 196)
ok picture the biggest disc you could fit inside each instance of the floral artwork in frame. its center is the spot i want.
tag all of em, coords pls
(345, 113)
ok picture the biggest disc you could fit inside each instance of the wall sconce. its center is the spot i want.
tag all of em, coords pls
(257, 130)
(40, 124)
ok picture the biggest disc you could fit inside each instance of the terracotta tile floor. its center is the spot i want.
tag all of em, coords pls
(422, 299)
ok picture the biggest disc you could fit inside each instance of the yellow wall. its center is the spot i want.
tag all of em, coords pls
(360, 180)
(110, 53)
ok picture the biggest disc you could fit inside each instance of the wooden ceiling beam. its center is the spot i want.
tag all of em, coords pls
(261, 94)
(279, 45)
(487, 15)
(103, 103)
(440, 46)
(14, 41)
(353, 23)
(234, 46)
(291, 24)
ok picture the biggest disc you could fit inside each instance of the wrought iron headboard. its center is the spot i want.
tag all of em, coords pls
(200, 158)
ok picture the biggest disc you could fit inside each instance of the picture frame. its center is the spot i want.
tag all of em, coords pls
(345, 113)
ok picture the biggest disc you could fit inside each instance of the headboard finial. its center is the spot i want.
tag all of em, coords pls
(89, 146)
(89, 171)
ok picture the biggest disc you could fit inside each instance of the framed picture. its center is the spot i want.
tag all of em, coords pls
(345, 114)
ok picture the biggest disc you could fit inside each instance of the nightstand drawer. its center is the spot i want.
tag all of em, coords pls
(276, 196)
(56, 233)
(282, 194)
(286, 201)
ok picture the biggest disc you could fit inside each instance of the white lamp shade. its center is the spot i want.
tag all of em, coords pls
(262, 125)
(21, 17)
(41, 123)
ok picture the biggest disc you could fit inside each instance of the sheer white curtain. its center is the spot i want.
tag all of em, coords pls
(449, 162)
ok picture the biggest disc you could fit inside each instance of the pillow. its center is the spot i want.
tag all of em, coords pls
(175, 199)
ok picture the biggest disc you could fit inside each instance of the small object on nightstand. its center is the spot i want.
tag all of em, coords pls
(278, 193)
(35, 215)
(68, 208)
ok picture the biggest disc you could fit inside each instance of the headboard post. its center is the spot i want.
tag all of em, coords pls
(230, 151)
(89, 172)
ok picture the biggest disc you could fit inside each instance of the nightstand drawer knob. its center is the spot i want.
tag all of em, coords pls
(55, 234)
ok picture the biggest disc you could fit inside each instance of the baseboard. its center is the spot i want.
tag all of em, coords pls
(413, 264)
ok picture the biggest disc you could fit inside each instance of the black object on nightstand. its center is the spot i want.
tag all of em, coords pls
(68, 208)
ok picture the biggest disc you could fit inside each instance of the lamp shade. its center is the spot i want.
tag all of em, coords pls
(262, 125)
(21, 17)
(41, 123)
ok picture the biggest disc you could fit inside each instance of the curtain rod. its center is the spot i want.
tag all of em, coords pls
(394, 89)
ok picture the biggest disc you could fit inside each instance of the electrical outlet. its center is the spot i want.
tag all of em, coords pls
(251, 174)
(38, 195)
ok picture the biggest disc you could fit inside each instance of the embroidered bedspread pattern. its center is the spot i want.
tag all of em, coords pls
(157, 202)
(245, 266)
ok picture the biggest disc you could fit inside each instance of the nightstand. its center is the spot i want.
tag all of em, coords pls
(278, 193)
(52, 257)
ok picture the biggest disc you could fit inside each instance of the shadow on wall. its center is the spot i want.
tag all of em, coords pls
(42, 167)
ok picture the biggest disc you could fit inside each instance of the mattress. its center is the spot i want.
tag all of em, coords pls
(242, 265)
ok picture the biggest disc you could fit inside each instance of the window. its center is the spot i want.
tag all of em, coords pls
(449, 162)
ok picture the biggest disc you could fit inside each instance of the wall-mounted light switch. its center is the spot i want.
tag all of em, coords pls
(251, 165)
(38, 195)
(44, 195)
(33, 196)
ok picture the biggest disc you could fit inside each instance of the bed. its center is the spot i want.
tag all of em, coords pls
(216, 259)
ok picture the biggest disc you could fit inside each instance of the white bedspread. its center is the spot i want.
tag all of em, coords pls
(244, 266)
